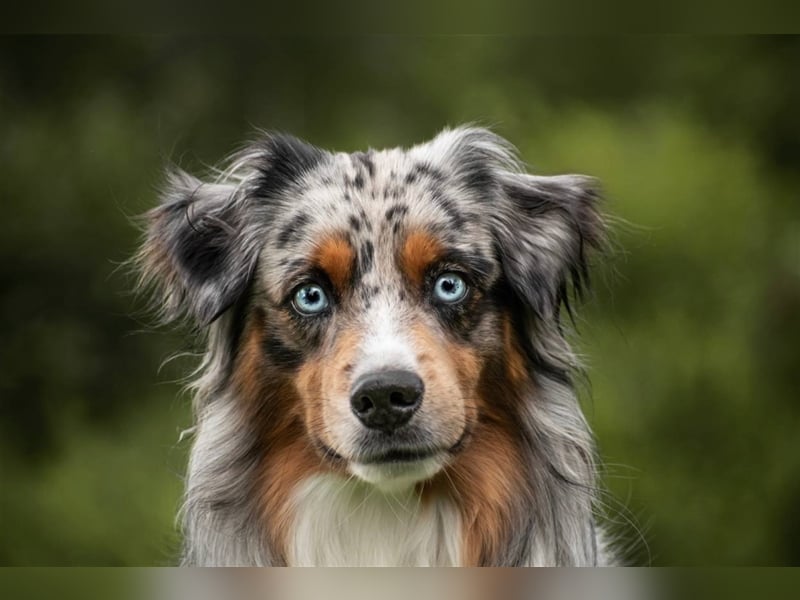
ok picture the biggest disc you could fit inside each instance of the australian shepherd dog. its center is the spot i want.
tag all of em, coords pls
(386, 379)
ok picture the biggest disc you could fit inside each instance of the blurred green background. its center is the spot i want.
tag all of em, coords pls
(692, 334)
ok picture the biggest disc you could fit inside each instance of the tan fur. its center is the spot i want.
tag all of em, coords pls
(487, 476)
(290, 461)
(324, 386)
(274, 406)
(484, 493)
(450, 372)
(335, 256)
(418, 252)
(515, 362)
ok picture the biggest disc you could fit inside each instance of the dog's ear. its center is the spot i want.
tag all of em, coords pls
(545, 230)
(545, 226)
(193, 254)
(202, 241)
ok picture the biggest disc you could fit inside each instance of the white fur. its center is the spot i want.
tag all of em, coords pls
(385, 345)
(397, 477)
(343, 522)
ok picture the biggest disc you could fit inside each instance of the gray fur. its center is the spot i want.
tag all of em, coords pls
(208, 243)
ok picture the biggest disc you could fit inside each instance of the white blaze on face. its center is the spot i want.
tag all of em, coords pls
(383, 345)
(386, 344)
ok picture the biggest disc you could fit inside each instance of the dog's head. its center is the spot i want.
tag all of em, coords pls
(380, 303)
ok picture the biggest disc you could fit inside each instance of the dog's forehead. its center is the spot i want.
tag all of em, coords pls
(374, 200)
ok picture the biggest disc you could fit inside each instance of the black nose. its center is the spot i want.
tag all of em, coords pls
(386, 400)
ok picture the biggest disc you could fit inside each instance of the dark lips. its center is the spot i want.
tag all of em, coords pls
(391, 456)
(397, 456)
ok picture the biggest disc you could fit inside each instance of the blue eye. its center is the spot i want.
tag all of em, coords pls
(450, 288)
(310, 299)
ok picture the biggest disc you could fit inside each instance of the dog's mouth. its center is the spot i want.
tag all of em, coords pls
(398, 456)
(391, 456)
(397, 467)
(394, 468)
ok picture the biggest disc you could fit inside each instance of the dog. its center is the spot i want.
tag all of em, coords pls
(386, 379)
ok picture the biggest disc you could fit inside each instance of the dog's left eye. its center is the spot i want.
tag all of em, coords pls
(310, 299)
(450, 288)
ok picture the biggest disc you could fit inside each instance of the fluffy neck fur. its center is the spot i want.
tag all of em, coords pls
(341, 522)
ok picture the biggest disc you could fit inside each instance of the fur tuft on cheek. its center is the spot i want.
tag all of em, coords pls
(450, 372)
(489, 475)
(487, 479)
(286, 456)
(323, 385)
(516, 367)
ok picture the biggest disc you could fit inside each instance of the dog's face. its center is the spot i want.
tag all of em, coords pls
(380, 287)
(378, 281)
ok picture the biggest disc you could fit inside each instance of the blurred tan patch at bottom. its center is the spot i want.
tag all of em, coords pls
(405, 584)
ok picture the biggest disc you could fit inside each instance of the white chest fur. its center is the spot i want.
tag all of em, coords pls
(349, 523)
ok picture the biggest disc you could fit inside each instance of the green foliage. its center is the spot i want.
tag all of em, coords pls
(692, 336)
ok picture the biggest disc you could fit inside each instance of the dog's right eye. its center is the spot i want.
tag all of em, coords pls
(310, 299)
(450, 288)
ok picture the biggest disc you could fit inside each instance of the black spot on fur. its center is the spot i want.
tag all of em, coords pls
(396, 210)
(199, 235)
(450, 208)
(295, 264)
(365, 221)
(479, 267)
(505, 296)
(366, 160)
(358, 181)
(203, 254)
(571, 202)
(365, 257)
(369, 291)
(238, 319)
(479, 177)
(293, 228)
(355, 224)
(279, 353)
(470, 319)
(423, 169)
(283, 160)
